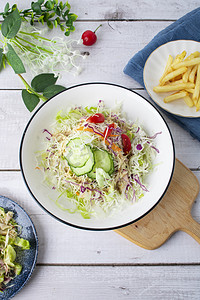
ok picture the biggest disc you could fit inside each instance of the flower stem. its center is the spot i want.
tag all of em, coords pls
(35, 36)
(36, 47)
(21, 39)
(21, 46)
(97, 28)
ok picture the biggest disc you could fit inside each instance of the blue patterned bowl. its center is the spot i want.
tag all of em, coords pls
(27, 258)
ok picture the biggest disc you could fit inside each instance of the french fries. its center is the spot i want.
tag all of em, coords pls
(182, 77)
(175, 96)
(173, 87)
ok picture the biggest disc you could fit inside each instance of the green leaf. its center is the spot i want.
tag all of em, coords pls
(30, 100)
(41, 19)
(40, 2)
(49, 4)
(46, 16)
(53, 90)
(11, 24)
(72, 17)
(52, 15)
(67, 33)
(36, 7)
(68, 5)
(72, 28)
(62, 27)
(42, 81)
(50, 24)
(58, 11)
(64, 5)
(55, 23)
(66, 13)
(6, 8)
(61, 5)
(15, 60)
(14, 7)
(58, 20)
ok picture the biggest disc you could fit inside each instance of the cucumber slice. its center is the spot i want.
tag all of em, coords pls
(101, 176)
(77, 153)
(86, 168)
(103, 160)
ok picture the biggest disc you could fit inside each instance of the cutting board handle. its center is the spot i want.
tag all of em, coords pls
(173, 213)
(192, 228)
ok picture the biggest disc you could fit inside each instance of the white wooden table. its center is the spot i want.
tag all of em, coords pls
(78, 264)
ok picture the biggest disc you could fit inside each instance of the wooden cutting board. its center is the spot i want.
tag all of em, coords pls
(173, 213)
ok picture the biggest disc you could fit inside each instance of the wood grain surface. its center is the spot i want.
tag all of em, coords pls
(77, 264)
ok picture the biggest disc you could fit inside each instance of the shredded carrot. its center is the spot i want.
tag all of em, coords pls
(77, 193)
(37, 168)
(114, 147)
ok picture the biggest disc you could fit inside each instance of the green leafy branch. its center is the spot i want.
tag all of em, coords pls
(42, 86)
(51, 12)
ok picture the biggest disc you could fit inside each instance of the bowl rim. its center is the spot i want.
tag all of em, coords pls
(84, 227)
(145, 82)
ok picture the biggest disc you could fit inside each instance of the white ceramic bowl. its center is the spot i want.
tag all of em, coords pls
(137, 108)
(154, 68)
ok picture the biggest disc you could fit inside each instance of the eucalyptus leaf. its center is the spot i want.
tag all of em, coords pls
(53, 90)
(30, 100)
(14, 7)
(40, 2)
(6, 8)
(15, 60)
(42, 81)
(11, 24)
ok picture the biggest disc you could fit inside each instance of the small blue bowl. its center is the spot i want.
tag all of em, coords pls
(27, 258)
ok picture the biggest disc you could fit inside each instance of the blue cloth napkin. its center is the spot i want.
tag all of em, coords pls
(186, 28)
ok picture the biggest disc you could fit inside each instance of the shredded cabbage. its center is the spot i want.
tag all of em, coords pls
(107, 193)
(9, 238)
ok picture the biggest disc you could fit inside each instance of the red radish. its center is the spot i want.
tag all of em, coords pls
(89, 37)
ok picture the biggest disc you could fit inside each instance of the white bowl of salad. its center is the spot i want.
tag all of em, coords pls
(97, 156)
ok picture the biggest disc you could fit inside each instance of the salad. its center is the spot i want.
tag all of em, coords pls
(96, 159)
(9, 241)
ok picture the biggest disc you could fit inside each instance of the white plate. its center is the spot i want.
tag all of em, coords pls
(154, 68)
(137, 108)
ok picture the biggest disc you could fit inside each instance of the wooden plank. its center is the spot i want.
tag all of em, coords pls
(14, 117)
(114, 10)
(104, 62)
(80, 246)
(168, 282)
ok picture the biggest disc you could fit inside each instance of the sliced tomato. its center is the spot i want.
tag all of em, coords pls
(126, 142)
(108, 130)
(96, 118)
